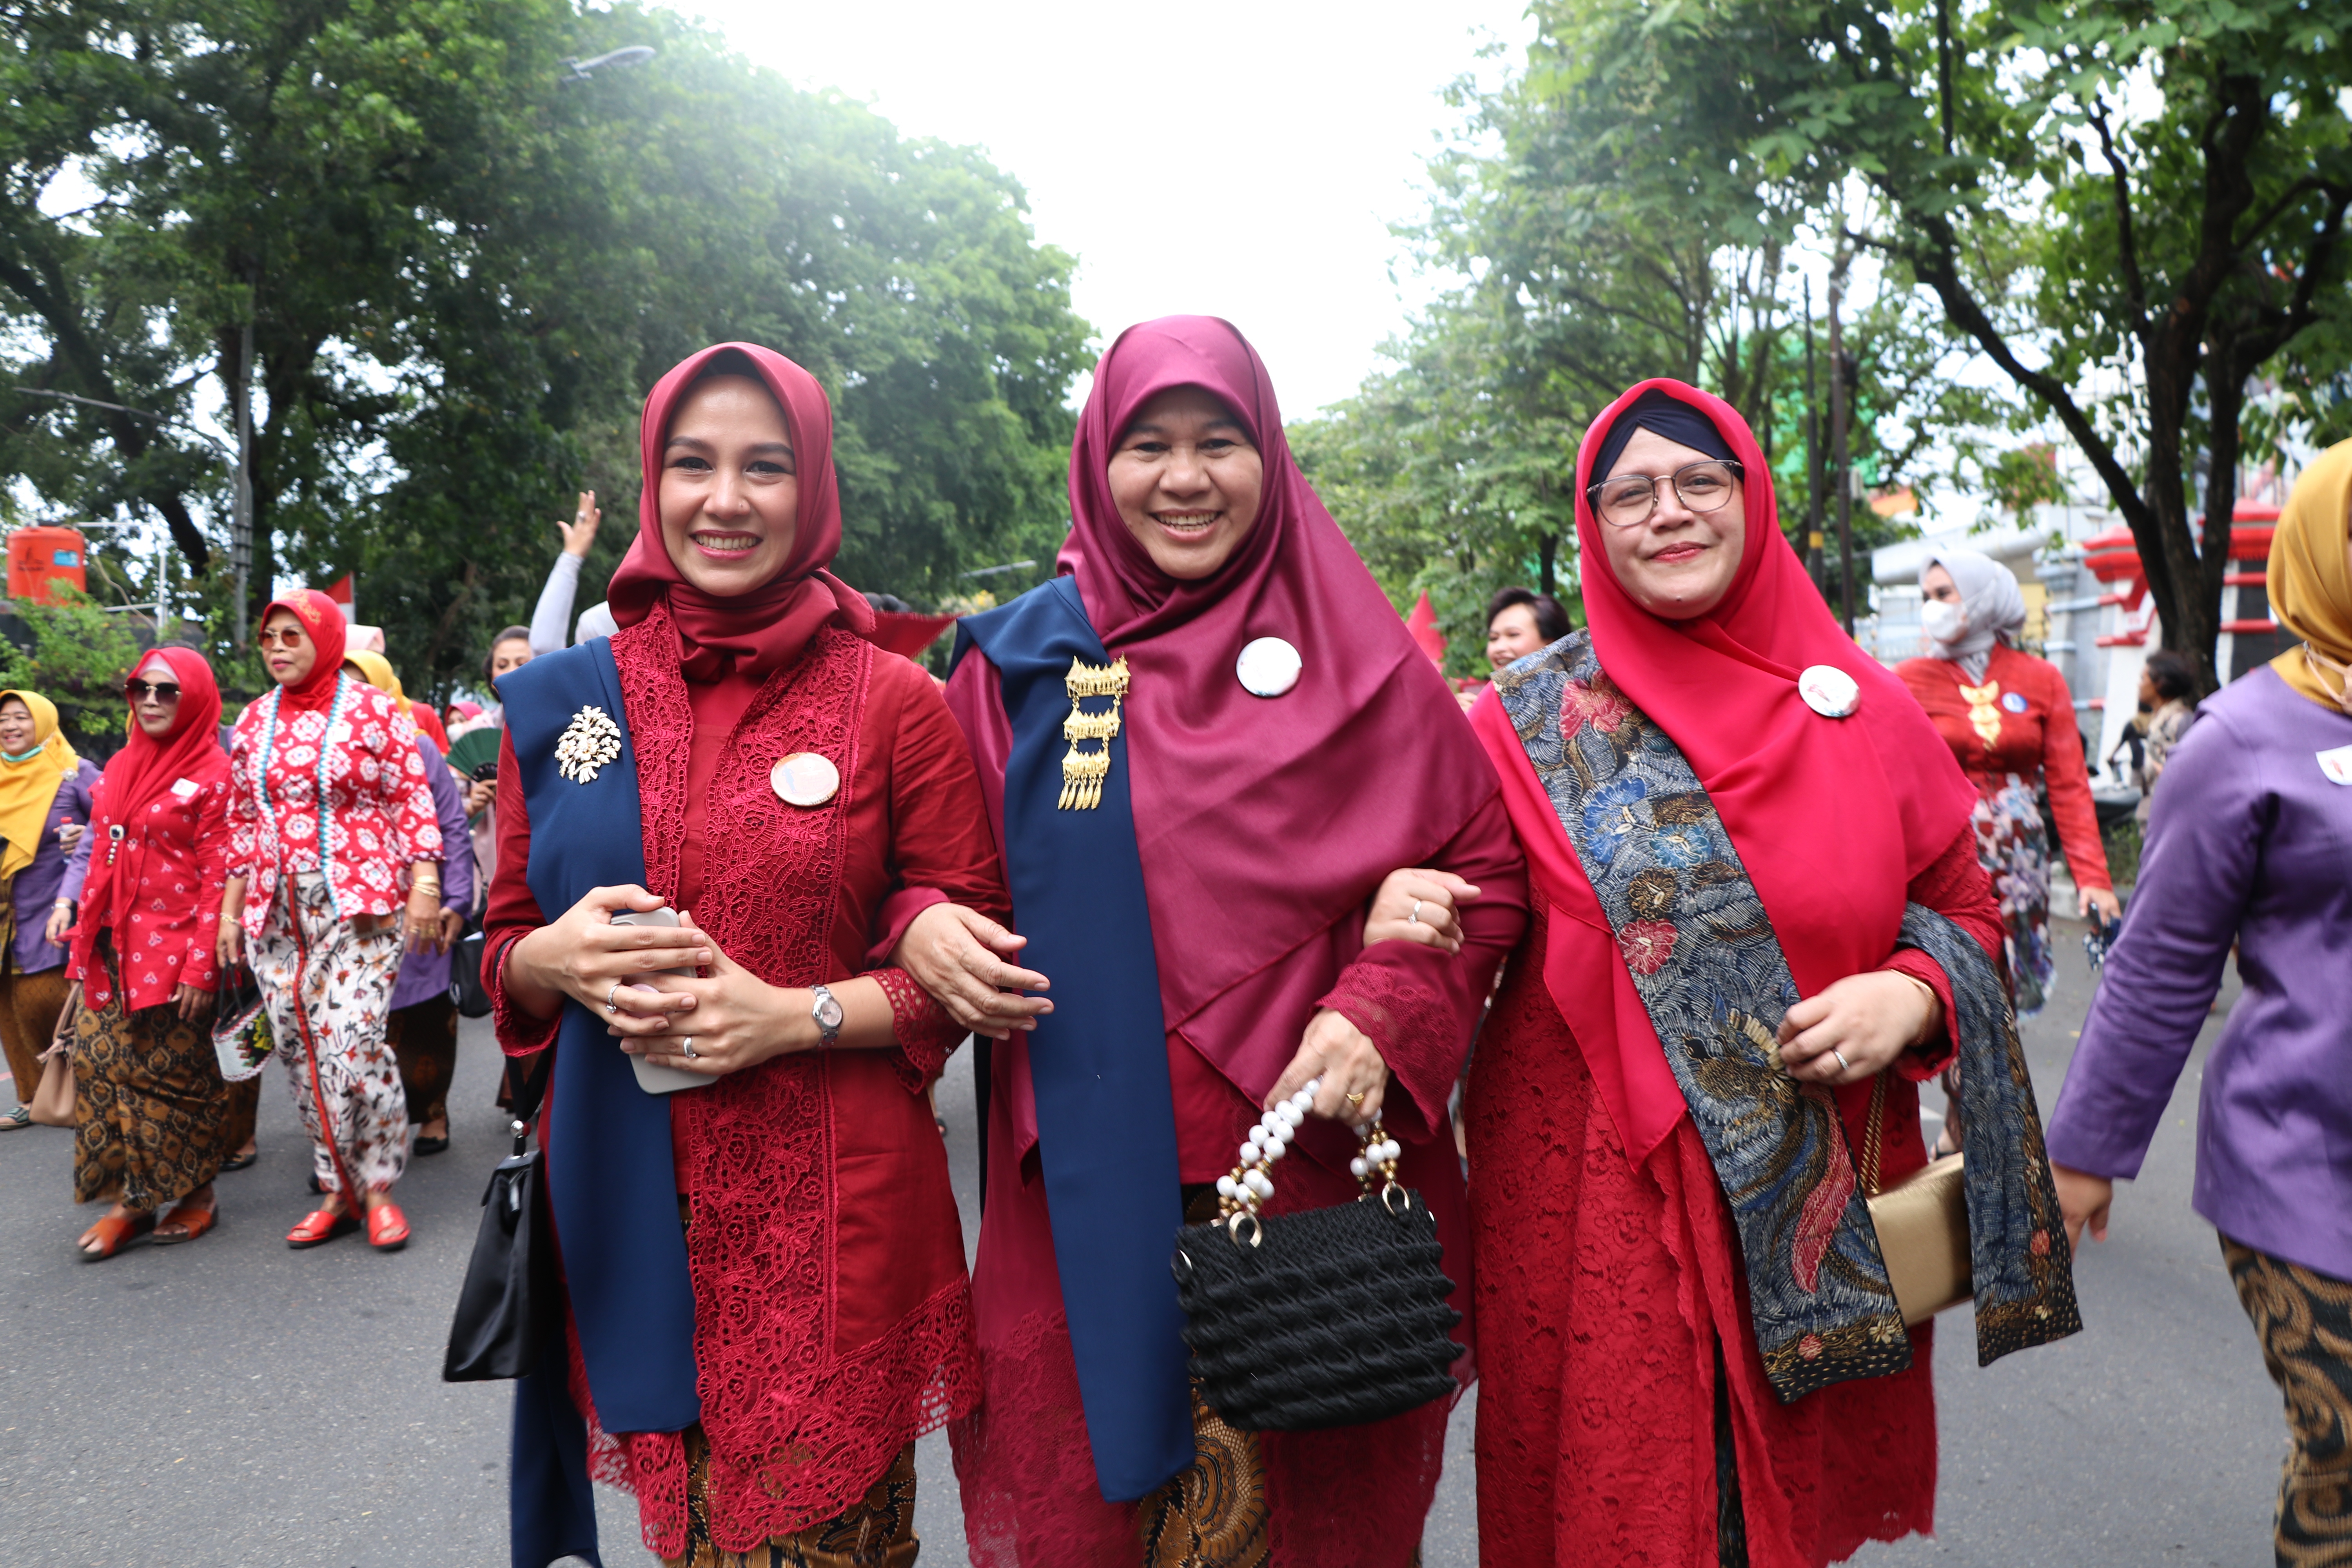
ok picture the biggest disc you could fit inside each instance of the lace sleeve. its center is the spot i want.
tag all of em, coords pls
(926, 1036)
(519, 1034)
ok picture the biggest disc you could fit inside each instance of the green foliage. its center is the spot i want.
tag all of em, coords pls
(461, 272)
(80, 659)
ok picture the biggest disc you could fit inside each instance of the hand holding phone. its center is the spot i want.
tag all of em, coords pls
(653, 1078)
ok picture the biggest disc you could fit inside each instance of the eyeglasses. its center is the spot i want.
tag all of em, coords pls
(162, 691)
(284, 637)
(1627, 500)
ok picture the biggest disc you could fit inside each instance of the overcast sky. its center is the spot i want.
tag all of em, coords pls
(1245, 164)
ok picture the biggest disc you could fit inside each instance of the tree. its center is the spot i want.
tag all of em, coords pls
(2130, 270)
(460, 271)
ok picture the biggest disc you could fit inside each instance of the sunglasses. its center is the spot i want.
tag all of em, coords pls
(284, 637)
(161, 691)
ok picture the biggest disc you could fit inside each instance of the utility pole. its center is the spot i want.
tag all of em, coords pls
(240, 538)
(1841, 418)
(1814, 535)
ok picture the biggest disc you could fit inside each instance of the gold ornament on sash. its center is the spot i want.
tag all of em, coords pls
(1083, 772)
(1984, 709)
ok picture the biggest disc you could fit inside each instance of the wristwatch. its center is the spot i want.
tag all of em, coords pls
(825, 1008)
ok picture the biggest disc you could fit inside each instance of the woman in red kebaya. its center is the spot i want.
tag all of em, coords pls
(737, 753)
(149, 1103)
(2010, 720)
(328, 811)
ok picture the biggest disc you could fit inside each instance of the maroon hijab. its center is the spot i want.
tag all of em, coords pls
(759, 632)
(1261, 821)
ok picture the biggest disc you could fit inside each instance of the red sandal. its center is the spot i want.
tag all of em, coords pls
(318, 1227)
(387, 1227)
(111, 1232)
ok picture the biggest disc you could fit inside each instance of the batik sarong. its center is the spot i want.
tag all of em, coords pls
(2304, 1319)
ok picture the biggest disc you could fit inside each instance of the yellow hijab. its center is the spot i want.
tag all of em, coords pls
(28, 787)
(2310, 579)
(378, 672)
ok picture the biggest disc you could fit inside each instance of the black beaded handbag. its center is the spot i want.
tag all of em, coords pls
(1331, 1317)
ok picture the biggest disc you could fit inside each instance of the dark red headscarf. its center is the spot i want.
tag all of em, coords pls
(1261, 821)
(1832, 817)
(760, 631)
(139, 775)
(323, 623)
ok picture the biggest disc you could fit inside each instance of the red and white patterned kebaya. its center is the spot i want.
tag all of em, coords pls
(346, 776)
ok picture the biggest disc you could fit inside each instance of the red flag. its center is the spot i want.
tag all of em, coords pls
(1422, 624)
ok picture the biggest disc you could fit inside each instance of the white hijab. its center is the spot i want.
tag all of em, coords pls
(1991, 603)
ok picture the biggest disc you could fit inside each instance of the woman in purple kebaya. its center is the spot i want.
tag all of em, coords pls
(2250, 842)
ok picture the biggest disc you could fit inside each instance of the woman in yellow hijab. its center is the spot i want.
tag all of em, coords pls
(378, 672)
(2249, 843)
(44, 787)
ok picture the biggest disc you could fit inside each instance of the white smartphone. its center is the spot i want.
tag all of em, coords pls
(652, 1077)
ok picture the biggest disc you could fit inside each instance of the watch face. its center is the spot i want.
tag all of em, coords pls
(828, 1012)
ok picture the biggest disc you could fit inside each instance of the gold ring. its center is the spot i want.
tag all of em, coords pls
(1356, 1099)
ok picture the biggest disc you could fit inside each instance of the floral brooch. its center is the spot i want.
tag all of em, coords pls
(591, 742)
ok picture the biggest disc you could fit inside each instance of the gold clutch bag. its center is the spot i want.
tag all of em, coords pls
(1922, 1223)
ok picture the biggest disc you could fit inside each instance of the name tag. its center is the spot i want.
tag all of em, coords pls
(183, 788)
(2336, 765)
(338, 732)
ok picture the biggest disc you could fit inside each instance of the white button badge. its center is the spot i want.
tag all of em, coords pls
(1828, 690)
(1268, 666)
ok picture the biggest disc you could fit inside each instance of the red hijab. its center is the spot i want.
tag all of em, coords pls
(142, 772)
(1832, 817)
(323, 623)
(1261, 821)
(759, 632)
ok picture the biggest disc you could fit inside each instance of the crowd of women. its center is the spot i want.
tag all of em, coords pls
(1197, 846)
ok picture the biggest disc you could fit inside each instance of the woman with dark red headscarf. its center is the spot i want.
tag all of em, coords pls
(329, 815)
(1758, 924)
(1272, 745)
(740, 764)
(149, 1103)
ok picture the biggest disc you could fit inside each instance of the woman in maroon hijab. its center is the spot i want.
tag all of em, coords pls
(1628, 1414)
(787, 777)
(1272, 791)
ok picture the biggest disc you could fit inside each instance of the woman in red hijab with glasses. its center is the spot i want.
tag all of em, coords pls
(1258, 746)
(149, 1104)
(335, 866)
(1759, 923)
(738, 762)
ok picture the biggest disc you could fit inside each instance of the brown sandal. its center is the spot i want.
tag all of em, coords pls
(111, 1232)
(186, 1222)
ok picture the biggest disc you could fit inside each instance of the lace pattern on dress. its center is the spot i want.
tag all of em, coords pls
(797, 1433)
(926, 1036)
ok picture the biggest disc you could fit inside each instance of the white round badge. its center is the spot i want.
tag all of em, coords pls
(1268, 666)
(804, 779)
(1828, 690)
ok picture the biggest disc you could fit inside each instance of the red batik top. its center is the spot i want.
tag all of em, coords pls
(2017, 721)
(163, 938)
(346, 776)
(831, 1311)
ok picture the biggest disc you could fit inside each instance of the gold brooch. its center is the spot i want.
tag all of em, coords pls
(1984, 716)
(591, 742)
(1083, 772)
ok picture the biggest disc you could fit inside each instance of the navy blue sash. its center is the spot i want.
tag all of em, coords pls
(610, 1177)
(1106, 1116)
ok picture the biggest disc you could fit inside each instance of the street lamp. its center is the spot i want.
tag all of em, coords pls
(635, 55)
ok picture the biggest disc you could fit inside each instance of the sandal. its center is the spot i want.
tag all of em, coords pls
(14, 1117)
(318, 1227)
(387, 1227)
(111, 1232)
(186, 1222)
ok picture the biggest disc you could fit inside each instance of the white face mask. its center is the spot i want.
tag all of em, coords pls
(1942, 622)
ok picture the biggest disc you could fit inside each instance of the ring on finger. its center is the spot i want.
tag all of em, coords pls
(1414, 918)
(1844, 1066)
(1356, 1099)
(610, 1006)
(689, 1051)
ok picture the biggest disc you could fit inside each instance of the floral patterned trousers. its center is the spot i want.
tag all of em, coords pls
(329, 988)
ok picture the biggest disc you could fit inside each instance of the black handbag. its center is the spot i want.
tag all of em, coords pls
(506, 1308)
(466, 987)
(1332, 1317)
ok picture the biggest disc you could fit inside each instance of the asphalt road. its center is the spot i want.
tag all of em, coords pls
(234, 1404)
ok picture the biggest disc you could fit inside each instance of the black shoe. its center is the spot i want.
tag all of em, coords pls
(241, 1161)
(430, 1145)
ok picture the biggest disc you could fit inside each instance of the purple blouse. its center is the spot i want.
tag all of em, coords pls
(40, 885)
(2250, 840)
(425, 975)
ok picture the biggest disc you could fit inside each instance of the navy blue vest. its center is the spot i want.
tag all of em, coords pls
(1099, 1062)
